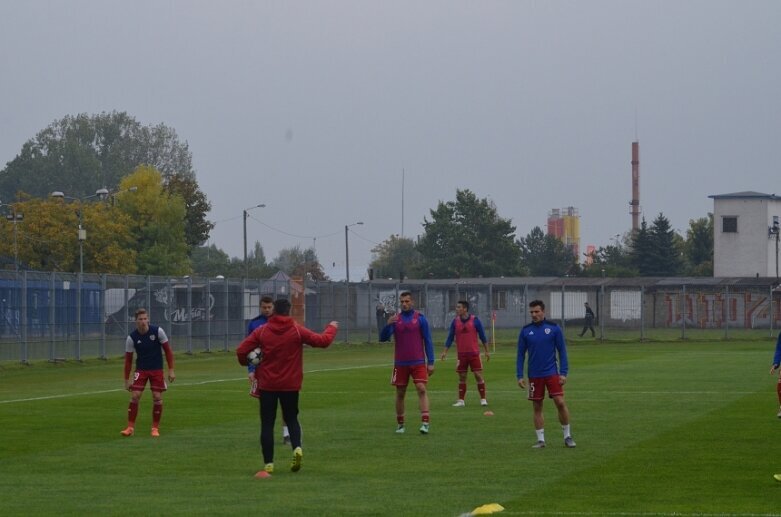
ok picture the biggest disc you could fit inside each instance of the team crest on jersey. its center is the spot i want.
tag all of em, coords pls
(152, 337)
(547, 331)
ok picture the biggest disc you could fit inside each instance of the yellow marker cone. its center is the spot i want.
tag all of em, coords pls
(488, 508)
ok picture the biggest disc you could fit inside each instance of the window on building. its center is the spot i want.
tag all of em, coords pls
(500, 300)
(729, 224)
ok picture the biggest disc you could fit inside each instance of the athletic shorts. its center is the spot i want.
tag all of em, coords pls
(401, 374)
(538, 385)
(469, 361)
(155, 377)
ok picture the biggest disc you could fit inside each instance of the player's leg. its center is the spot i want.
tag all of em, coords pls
(268, 415)
(476, 364)
(401, 391)
(539, 423)
(420, 386)
(289, 402)
(132, 413)
(563, 411)
(157, 411)
(461, 386)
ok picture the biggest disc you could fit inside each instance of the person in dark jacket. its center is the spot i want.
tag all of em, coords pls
(588, 321)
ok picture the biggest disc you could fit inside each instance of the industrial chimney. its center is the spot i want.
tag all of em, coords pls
(635, 187)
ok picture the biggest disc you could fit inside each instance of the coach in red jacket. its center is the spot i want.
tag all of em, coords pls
(280, 374)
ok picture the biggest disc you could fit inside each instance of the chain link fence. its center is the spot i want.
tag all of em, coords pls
(61, 316)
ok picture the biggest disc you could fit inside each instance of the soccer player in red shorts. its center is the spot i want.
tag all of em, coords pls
(543, 340)
(412, 337)
(148, 342)
(466, 329)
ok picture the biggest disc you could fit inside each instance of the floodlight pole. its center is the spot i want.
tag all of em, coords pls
(347, 283)
(245, 214)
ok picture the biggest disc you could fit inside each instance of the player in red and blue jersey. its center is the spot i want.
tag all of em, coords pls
(773, 368)
(148, 342)
(412, 336)
(466, 329)
(543, 340)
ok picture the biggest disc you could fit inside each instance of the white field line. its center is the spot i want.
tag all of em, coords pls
(199, 383)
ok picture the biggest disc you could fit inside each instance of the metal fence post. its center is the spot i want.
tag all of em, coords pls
(189, 315)
(563, 315)
(642, 312)
(102, 346)
(683, 312)
(725, 311)
(601, 310)
(22, 333)
(208, 314)
(225, 335)
(79, 286)
(52, 316)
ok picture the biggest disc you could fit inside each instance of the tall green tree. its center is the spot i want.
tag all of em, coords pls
(698, 248)
(81, 154)
(467, 238)
(394, 256)
(296, 261)
(210, 261)
(157, 223)
(656, 251)
(196, 226)
(545, 255)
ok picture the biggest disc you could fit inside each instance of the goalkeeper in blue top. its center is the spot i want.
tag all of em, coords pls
(543, 341)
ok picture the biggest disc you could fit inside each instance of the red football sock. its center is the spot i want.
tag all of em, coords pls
(157, 412)
(461, 390)
(400, 419)
(424, 417)
(481, 389)
(132, 413)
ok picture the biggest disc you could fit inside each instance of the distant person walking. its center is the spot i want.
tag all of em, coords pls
(543, 341)
(280, 375)
(588, 321)
(466, 329)
(148, 342)
(414, 357)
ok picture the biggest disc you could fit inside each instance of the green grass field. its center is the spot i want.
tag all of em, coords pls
(676, 428)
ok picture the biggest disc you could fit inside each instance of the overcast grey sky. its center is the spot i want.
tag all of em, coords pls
(315, 108)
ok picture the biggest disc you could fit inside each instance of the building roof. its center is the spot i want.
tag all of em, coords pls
(748, 194)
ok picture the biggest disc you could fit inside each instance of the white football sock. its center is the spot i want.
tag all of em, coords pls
(540, 435)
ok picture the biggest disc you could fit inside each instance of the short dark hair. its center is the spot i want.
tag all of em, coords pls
(537, 303)
(139, 312)
(282, 307)
(464, 303)
(405, 293)
(267, 299)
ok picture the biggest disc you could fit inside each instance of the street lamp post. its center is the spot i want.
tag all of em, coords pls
(347, 284)
(774, 230)
(14, 217)
(101, 193)
(245, 214)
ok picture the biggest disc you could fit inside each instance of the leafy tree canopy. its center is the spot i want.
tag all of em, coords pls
(467, 238)
(295, 262)
(394, 256)
(545, 255)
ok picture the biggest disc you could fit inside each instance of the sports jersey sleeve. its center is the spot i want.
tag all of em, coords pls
(480, 330)
(314, 339)
(519, 360)
(387, 332)
(162, 338)
(425, 332)
(130, 347)
(451, 334)
(561, 347)
(777, 356)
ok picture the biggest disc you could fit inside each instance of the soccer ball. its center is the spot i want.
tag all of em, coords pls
(255, 356)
